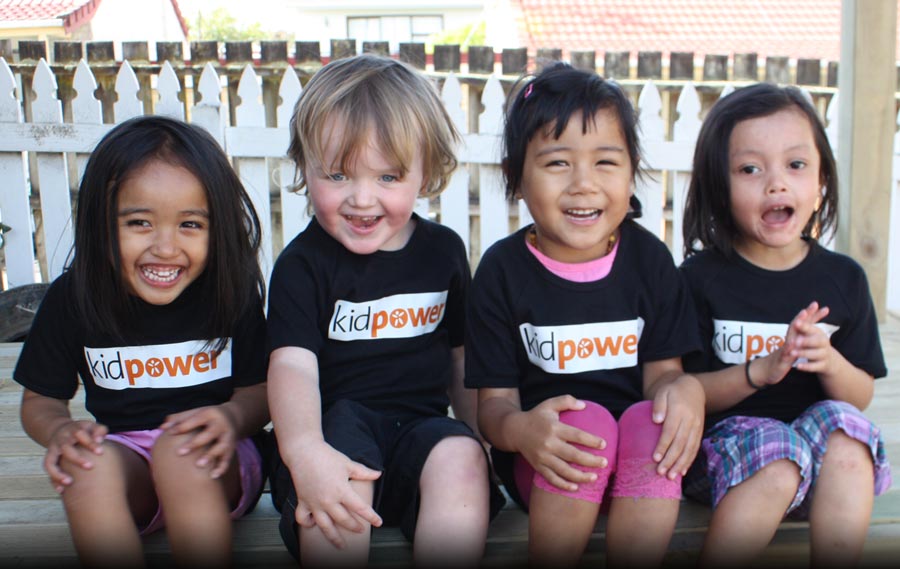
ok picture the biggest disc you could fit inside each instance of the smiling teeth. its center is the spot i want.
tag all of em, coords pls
(582, 212)
(161, 275)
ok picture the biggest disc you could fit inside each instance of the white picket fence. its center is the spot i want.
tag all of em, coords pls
(257, 150)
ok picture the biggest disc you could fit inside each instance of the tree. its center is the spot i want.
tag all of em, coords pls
(220, 25)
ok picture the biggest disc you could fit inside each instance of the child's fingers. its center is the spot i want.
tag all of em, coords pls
(563, 476)
(345, 519)
(71, 453)
(361, 508)
(331, 533)
(359, 471)
(575, 435)
(303, 515)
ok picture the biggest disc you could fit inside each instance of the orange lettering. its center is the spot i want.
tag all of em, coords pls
(178, 367)
(608, 344)
(379, 321)
(630, 345)
(201, 362)
(418, 317)
(755, 344)
(134, 369)
(565, 354)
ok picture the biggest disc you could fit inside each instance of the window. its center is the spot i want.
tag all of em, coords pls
(394, 29)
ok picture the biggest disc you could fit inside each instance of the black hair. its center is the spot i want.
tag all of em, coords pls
(232, 272)
(708, 221)
(551, 97)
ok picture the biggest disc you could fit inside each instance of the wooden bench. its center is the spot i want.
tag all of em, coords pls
(34, 533)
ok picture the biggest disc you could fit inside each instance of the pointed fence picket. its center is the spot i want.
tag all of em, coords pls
(481, 215)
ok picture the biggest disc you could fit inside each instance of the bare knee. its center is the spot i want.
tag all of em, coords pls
(847, 453)
(779, 479)
(456, 461)
(168, 460)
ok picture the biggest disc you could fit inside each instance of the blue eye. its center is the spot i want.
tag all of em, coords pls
(388, 178)
(337, 177)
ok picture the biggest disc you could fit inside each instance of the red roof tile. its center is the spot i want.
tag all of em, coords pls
(793, 28)
(26, 10)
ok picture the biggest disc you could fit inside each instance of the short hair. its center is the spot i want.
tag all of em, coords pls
(707, 214)
(232, 272)
(551, 98)
(378, 95)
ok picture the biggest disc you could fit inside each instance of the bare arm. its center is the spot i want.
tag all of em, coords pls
(48, 421)
(463, 401)
(321, 474)
(678, 404)
(539, 436)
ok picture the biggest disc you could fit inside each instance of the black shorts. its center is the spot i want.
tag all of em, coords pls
(397, 447)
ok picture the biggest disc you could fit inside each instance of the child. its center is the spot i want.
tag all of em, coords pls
(790, 336)
(575, 320)
(366, 311)
(160, 314)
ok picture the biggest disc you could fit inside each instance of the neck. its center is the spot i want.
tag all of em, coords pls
(773, 258)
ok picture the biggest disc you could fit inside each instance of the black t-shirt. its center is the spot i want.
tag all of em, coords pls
(163, 366)
(381, 325)
(745, 310)
(532, 330)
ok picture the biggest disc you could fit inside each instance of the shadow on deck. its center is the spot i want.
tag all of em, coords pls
(34, 533)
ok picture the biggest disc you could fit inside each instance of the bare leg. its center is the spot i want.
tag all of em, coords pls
(842, 503)
(103, 504)
(639, 531)
(747, 517)
(197, 507)
(317, 551)
(559, 528)
(455, 505)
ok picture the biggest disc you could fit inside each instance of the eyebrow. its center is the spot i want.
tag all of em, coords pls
(560, 148)
(794, 148)
(142, 210)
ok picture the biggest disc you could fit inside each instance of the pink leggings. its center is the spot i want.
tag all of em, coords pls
(629, 453)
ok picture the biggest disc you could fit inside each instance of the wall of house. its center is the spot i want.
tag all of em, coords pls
(313, 19)
(127, 20)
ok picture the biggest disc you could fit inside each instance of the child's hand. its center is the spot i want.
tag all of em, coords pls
(65, 443)
(810, 344)
(680, 407)
(803, 340)
(325, 497)
(548, 444)
(209, 428)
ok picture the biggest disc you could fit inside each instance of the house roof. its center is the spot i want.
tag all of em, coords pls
(793, 28)
(69, 13)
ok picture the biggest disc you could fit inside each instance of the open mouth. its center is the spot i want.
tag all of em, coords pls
(778, 214)
(583, 214)
(161, 275)
(363, 222)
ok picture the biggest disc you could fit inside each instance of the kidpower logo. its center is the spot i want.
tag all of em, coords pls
(736, 342)
(578, 348)
(158, 367)
(398, 316)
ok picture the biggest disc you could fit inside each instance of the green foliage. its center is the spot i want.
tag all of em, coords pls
(220, 25)
(470, 34)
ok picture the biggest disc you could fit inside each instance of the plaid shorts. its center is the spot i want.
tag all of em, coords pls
(737, 447)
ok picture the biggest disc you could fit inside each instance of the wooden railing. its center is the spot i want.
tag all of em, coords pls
(46, 136)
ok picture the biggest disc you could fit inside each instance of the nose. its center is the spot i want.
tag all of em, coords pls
(164, 243)
(362, 195)
(583, 180)
(775, 182)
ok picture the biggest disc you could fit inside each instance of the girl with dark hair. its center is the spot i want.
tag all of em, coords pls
(790, 336)
(575, 331)
(160, 314)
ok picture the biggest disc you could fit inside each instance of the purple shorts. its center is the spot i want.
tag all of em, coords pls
(248, 458)
(629, 454)
(737, 447)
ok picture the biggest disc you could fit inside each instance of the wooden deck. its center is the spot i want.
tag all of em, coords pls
(33, 530)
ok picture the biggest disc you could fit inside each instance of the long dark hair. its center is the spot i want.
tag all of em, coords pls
(232, 277)
(707, 213)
